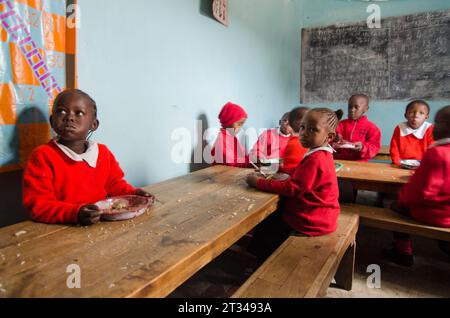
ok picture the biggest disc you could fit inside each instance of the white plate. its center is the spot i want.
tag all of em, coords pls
(123, 207)
(410, 164)
(276, 176)
(347, 146)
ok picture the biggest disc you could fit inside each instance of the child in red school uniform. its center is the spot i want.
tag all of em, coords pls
(412, 138)
(294, 152)
(64, 177)
(227, 149)
(310, 196)
(426, 196)
(357, 138)
(272, 142)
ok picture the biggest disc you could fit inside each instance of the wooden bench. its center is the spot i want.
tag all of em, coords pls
(387, 219)
(305, 266)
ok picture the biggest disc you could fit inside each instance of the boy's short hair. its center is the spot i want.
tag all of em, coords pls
(73, 91)
(418, 101)
(359, 95)
(296, 112)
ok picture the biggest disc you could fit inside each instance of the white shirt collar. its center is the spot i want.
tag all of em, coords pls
(313, 150)
(90, 155)
(281, 134)
(440, 142)
(405, 130)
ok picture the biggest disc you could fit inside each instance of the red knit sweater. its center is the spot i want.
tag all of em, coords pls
(409, 147)
(311, 205)
(427, 193)
(361, 130)
(55, 186)
(228, 151)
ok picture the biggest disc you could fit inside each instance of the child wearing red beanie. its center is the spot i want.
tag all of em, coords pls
(227, 149)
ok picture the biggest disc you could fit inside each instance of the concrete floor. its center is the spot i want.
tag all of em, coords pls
(429, 277)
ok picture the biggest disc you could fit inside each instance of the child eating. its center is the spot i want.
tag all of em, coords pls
(357, 138)
(412, 138)
(227, 149)
(310, 196)
(65, 177)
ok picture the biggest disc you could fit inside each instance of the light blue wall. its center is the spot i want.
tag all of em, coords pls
(325, 12)
(157, 65)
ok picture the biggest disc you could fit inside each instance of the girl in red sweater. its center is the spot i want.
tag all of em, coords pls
(358, 138)
(294, 152)
(227, 149)
(426, 197)
(65, 177)
(272, 142)
(412, 138)
(310, 204)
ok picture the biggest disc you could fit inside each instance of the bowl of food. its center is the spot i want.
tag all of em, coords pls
(123, 207)
(410, 164)
(347, 145)
(275, 176)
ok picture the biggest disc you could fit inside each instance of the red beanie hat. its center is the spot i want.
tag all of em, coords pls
(230, 114)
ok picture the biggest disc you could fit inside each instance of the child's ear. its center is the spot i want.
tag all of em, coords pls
(331, 137)
(95, 125)
(405, 116)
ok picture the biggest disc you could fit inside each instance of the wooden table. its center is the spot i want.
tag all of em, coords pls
(384, 153)
(372, 176)
(196, 217)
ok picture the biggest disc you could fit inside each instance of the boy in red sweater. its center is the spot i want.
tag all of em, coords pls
(412, 138)
(426, 197)
(65, 177)
(310, 205)
(272, 142)
(358, 138)
(227, 149)
(294, 151)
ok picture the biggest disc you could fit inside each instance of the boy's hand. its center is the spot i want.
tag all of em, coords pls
(89, 214)
(358, 146)
(144, 193)
(252, 179)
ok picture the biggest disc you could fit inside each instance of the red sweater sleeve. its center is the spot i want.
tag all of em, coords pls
(116, 184)
(292, 187)
(395, 146)
(39, 193)
(372, 145)
(426, 183)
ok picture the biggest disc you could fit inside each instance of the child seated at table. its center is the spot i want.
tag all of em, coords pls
(310, 197)
(272, 142)
(426, 196)
(357, 138)
(227, 149)
(294, 152)
(412, 138)
(65, 177)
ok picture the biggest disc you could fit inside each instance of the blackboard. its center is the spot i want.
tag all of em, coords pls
(408, 57)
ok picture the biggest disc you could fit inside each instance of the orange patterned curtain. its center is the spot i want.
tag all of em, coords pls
(37, 60)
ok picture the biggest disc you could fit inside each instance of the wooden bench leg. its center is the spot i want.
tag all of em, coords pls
(344, 274)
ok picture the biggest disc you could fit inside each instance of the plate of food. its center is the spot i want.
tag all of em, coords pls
(410, 164)
(275, 176)
(347, 145)
(123, 207)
